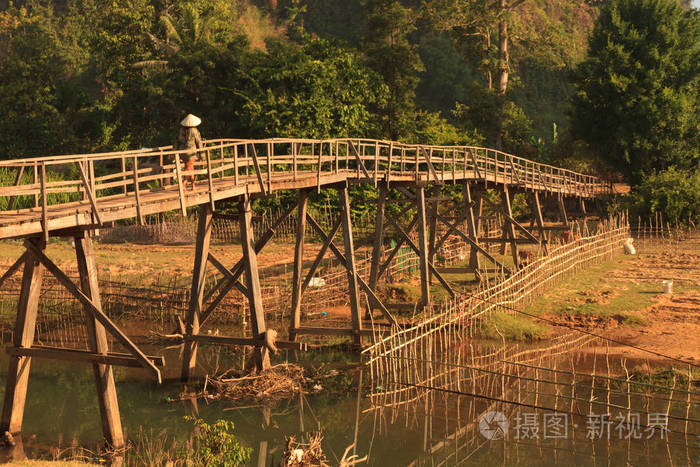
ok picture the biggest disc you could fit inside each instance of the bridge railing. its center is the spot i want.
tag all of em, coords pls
(39, 183)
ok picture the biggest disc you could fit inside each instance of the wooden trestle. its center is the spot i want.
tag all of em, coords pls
(98, 326)
(412, 176)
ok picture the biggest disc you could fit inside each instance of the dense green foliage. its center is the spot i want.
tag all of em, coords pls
(79, 75)
(636, 101)
(675, 193)
(93, 75)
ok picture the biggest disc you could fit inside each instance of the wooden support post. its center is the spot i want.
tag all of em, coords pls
(298, 265)
(378, 245)
(536, 209)
(562, 210)
(250, 266)
(224, 285)
(192, 320)
(97, 342)
(434, 203)
(509, 228)
(423, 247)
(473, 225)
(350, 266)
(25, 325)
(137, 192)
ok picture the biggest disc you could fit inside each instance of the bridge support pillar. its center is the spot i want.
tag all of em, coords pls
(353, 291)
(509, 228)
(250, 266)
(297, 279)
(192, 320)
(563, 217)
(423, 247)
(473, 224)
(536, 209)
(432, 229)
(96, 322)
(97, 342)
(23, 336)
(378, 244)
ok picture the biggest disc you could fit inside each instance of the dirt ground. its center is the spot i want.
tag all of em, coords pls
(671, 324)
(147, 262)
(622, 299)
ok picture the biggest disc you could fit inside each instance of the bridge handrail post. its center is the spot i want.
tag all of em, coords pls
(268, 165)
(417, 165)
(235, 164)
(123, 163)
(336, 158)
(388, 165)
(464, 168)
(376, 162)
(211, 182)
(44, 202)
(320, 162)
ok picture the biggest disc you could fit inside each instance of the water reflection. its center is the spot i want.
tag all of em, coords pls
(430, 425)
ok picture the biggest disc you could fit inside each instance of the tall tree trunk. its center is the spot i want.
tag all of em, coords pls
(503, 67)
(488, 77)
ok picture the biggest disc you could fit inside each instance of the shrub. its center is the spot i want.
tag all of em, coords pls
(675, 193)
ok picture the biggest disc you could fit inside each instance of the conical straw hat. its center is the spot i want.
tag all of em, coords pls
(191, 121)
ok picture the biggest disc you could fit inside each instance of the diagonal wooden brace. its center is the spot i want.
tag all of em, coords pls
(90, 193)
(224, 285)
(515, 223)
(341, 258)
(230, 274)
(254, 153)
(466, 238)
(96, 312)
(430, 166)
(439, 277)
(359, 159)
(321, 253)
(12, 269)
(396, 249)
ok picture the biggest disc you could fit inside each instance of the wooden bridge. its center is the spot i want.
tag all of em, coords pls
(75, 194)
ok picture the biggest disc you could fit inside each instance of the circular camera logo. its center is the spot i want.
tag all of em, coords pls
(493, 425)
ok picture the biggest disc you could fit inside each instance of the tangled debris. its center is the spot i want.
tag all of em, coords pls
(310, 453)
(275, 383)
(305, 454)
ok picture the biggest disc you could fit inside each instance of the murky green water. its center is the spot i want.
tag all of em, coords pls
(62, 410)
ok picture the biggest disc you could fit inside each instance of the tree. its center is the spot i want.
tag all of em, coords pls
(47, 106)
(390, 54)
(473, 22)
(636, 99)
(319, 90)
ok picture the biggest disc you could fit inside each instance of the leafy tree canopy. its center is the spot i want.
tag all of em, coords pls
(636, 101)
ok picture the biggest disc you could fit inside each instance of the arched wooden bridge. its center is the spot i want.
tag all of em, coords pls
(95, 190)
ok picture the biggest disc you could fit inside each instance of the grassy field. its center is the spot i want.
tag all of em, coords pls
(617, 293)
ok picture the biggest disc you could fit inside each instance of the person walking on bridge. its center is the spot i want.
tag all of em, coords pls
(188, 138)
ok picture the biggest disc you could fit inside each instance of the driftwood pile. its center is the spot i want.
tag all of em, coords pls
(305, 454)
(277, 382)
(310, 453)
